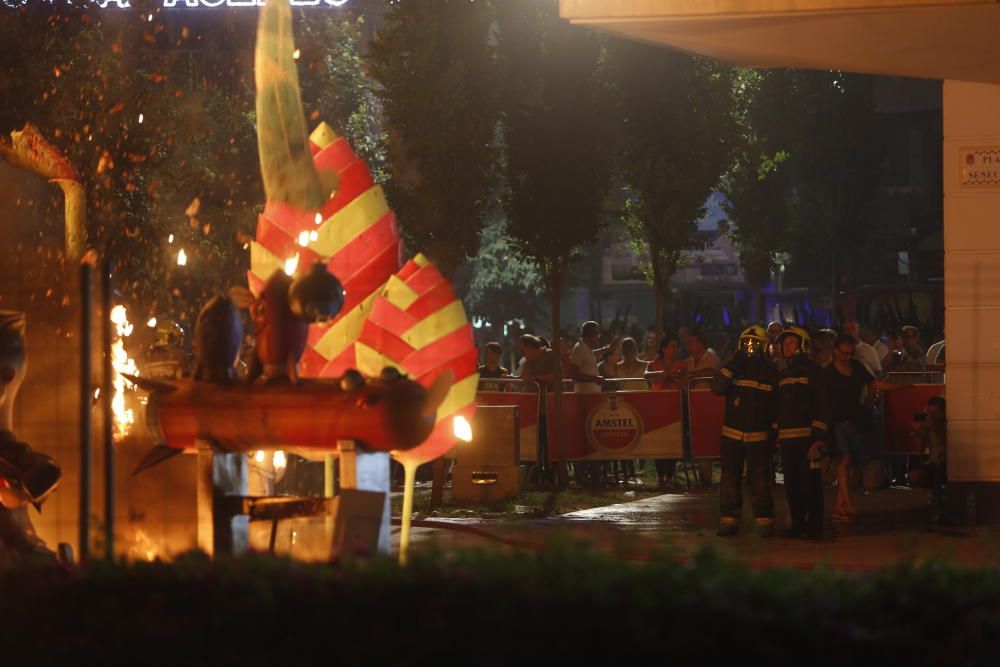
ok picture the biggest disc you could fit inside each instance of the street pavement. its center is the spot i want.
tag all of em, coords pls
(893, 525)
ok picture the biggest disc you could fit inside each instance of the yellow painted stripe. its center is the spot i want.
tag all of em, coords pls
(371, 362)
(732, 433)
(798, 380)
(736, 434)
(795, 432)
(263, 262)
(344, 225)
(399, 293)
(345, 331)
(820, 425)
(421, 260)
(461, 394)
(751, 384)
(323, 135)
(433, 327)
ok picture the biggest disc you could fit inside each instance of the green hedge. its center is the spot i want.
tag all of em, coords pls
(483, 608)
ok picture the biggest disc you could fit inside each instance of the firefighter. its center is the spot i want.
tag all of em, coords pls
(748, 383)
(802, 422)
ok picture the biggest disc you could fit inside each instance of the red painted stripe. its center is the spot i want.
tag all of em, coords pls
(462, 366)
(355, 180)
(359, 251)
(370, 277)
(312, 363)
(274, 238)
(425, 279)
(408, 270)
(340, 364)
(336, 156)
(389, 317)
(432, 301)
(384, 341)
(426, 358)
(286, 217)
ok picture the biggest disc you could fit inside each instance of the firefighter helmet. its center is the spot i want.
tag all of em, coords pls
(805, 344)
(753, 339)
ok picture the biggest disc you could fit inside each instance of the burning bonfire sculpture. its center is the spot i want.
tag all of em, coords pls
(361, 344)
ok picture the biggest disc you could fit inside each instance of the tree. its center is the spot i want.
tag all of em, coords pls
(337, 89)
(434, 62)
(162, 131)
(500, 285)
(757, 185)
(677, 132)
(556, 120)
(161, 148)
(836, 143)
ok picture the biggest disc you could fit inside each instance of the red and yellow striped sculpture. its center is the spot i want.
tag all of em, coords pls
(355, 237)
(418, 325)
(410, 319)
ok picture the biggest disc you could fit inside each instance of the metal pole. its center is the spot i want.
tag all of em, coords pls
(86, 305)
(107, 418)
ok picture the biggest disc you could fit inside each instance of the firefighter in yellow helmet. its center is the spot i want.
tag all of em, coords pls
(748, 382)
(802, 422)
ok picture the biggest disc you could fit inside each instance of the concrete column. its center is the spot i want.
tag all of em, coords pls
(972, 296)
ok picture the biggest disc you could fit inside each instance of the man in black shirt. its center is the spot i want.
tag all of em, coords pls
(492, 369)
(851, 390)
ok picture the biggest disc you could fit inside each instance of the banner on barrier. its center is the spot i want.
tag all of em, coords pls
(707, 412)
(899, 405)
(621, 425)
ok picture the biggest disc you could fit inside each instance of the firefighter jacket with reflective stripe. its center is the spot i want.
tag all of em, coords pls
(803, 406)
(749, 384)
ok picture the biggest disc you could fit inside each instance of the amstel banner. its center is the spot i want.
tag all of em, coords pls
(620, 425)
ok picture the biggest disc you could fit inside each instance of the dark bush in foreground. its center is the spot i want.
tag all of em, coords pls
(481, 608)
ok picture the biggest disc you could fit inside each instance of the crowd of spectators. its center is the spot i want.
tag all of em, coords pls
(856, 361)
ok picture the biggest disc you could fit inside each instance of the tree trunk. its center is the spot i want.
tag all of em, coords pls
(660, 297)
(759, 314)
(554, 420)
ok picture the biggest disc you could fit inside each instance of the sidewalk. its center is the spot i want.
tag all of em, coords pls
(892, 526)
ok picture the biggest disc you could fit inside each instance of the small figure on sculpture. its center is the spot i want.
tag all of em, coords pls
(282, 314)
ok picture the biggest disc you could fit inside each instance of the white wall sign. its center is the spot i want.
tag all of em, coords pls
(980, 166)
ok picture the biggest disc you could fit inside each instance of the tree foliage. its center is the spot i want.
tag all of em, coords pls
(556, 119)
(158, 119)
(757, 185)
(677, 133)
(500, 284)
(434, 62)
(836, 144)
(556, 116)
(337, 89)
(150, 135)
